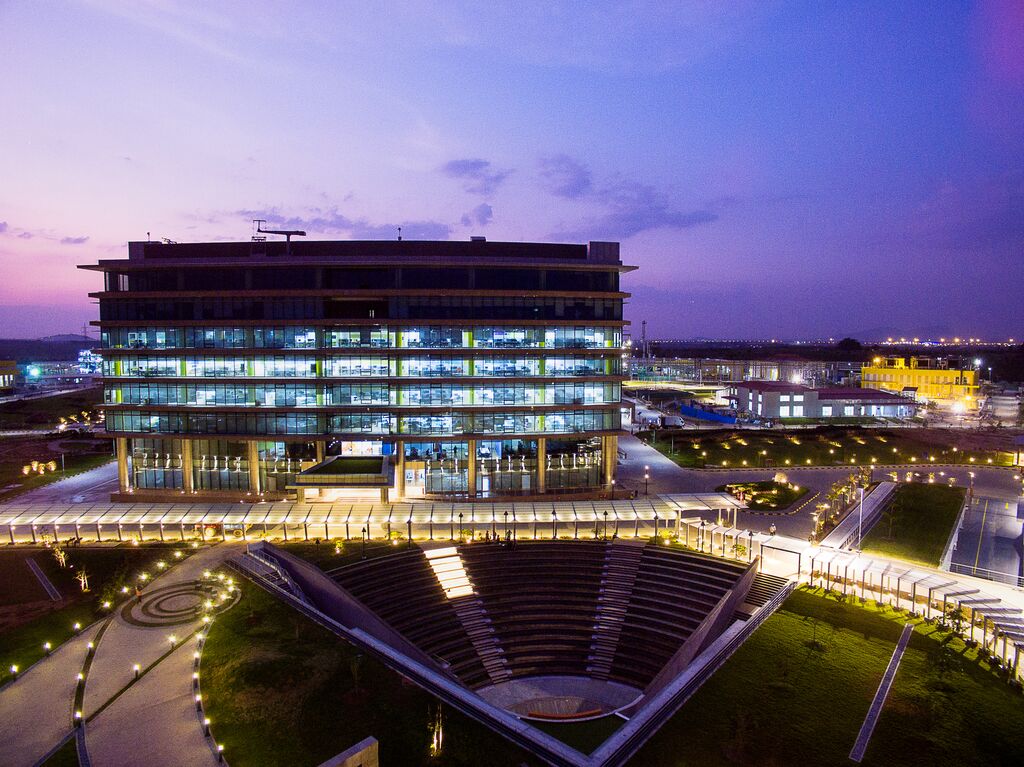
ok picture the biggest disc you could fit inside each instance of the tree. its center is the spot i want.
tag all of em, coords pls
(893, 512)
(849, 345)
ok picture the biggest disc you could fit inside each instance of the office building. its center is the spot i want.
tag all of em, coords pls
(326, 369)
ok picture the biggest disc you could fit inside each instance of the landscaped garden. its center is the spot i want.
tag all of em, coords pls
(768, 495)
(917, 523)
(29, 620)
(281, 690)
(798, 690)
(827, 446)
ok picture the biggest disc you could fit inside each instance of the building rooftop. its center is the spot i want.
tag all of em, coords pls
(365, 252)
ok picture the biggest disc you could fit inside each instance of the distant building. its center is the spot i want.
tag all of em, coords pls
(60, 374)
(709, 371)
(774, 401)
(947, 381)
(8, 374)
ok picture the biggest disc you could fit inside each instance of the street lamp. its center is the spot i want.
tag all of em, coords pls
(647, 477)
(362, 538)
(613, 489)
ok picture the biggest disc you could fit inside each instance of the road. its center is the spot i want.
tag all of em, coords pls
(89, 486)
(990, 537)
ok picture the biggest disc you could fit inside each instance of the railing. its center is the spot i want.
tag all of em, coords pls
(983, 572)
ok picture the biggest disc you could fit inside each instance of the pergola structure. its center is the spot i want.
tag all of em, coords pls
(441, 521)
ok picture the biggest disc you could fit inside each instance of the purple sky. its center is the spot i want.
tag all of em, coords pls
(776, 169)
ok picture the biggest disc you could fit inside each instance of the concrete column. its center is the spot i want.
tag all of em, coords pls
(400, 469)
(321, 451)
(610, 454)
(471, 469)
(187, 480)
(254, 466)
(123, 484)
(542, 464)
(384, 495)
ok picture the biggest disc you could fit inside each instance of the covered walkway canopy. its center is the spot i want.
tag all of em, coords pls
(535, 518)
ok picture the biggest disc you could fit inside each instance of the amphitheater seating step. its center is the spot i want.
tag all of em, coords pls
(622, 562)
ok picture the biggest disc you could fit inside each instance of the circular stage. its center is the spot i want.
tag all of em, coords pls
(559, 698)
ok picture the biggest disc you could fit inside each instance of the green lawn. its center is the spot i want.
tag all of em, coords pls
(765, 496)
(281, 690)
(923, 521)
(65, 756)
(108, 568)
(822, 446)
(330, 554)
(44, 412)
(583, 736)
(778, 701)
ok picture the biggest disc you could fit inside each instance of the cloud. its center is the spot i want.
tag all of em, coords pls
(73, 240)
(631, 208)
(26, 235)
(565, 176)
(478, 175)
(481, 215)
(332, 221)
(3, 227)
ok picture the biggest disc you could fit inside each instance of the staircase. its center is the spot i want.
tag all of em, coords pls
(764, 588)
(450, 571)
(621, 564)
(474, 620)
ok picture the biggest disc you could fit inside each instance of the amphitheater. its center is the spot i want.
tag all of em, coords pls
(555, 630)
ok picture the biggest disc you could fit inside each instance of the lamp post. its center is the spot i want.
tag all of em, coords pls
(605, 536)
(460, 527)
(613, 489)
(860, 518)
(647, 477)
(362, 539)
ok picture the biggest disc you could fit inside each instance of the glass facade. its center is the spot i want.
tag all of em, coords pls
(298, 361)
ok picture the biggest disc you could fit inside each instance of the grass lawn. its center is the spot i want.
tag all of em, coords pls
(765, 496)
(923, 521)
(822, 446)
(328, 555)
(583, 736)
(283, 691)
(108, 568)
(65, 756)
(351, 465)
(44, 412)
(778, 701)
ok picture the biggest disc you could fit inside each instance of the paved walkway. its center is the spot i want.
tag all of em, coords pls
(36, 709)
(154, 723)
(866, 729)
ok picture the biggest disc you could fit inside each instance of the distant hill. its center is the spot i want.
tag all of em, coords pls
(50, 349)
(67, 338)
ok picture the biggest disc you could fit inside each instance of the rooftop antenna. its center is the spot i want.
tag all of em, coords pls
(259, 222)
(399, 234)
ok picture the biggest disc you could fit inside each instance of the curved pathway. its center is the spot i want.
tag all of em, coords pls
(36, 708)
(152, 721)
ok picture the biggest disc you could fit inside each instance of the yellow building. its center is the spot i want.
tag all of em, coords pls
(948, 382)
